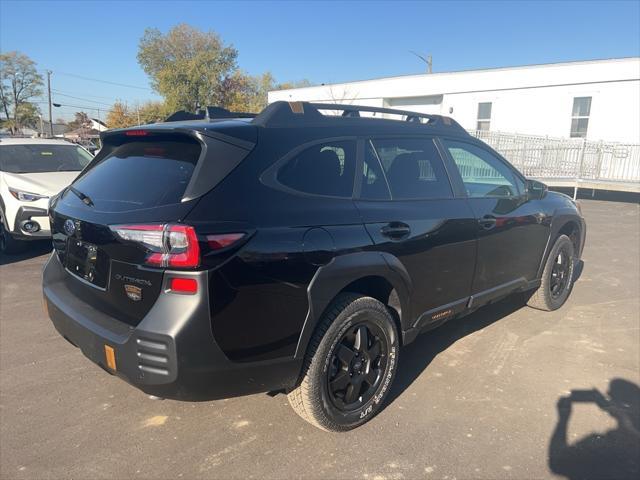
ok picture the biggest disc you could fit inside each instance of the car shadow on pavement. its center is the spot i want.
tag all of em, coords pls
(614, 454)
(417, 356)
(32, 249)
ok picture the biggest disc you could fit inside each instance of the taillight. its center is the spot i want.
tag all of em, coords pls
(169, 245)
(223, 240)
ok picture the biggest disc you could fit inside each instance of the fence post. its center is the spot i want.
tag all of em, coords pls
(580, 165)
(600, 155)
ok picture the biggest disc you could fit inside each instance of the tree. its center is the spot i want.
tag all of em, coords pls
(188, 67)
(119, 116)
(153, 112)
(81, 120)
(295, 84)
(19, 82)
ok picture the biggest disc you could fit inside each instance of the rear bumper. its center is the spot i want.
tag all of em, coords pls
(171, 353)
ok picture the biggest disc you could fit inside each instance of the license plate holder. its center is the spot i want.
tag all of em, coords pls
(81, 259)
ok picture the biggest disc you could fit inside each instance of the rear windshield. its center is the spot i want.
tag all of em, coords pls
(145, 173)
(42, 158)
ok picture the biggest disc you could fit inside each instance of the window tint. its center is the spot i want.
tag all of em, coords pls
(140, 174)
(413, 168)
(374, 185)
(483, 174)
(322, 169)
(38, 158)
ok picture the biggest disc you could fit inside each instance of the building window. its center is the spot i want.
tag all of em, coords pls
(580, 117)
(484, 116)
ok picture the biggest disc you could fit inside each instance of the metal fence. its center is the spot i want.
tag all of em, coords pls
(561, 158)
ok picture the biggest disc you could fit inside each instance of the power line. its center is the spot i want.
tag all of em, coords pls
(57, 92)
(84, 107)
(85, 95)
(103, 81)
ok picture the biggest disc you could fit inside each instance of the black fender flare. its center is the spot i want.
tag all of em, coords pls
(333, 277)
(561, 217)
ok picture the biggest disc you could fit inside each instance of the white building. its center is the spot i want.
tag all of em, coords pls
(599, 99)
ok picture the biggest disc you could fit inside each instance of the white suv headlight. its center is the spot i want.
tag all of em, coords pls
(26, 196)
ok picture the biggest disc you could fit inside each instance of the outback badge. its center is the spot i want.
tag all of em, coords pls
(133, 292)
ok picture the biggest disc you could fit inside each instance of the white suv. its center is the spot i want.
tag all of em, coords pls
(31, 171)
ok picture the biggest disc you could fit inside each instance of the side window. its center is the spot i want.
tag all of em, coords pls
(374, 184)
(322, 169)
(413, 168)
(483, 174)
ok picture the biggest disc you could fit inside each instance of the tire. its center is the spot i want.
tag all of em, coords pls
(557, 277)
(8, 244)
(331, 357)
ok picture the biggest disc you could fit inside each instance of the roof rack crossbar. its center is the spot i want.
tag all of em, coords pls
(293, 113)
(354, 111)
(207, 113)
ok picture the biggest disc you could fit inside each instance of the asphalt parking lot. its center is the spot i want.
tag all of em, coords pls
(478, 398)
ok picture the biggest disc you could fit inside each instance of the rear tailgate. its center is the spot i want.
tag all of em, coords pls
(137, 180)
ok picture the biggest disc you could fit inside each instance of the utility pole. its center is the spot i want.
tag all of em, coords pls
(49, 72)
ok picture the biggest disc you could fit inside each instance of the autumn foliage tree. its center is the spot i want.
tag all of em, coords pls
(192, 69)
(122, 115)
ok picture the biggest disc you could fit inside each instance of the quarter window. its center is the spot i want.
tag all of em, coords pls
(322, 169)
(483, 174)
(580, 117)
(413, 168)
(484, 116)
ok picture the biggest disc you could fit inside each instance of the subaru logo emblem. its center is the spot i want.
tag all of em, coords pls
(69, 227)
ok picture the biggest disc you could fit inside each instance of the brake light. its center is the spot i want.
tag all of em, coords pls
(183, 285)
(217, 242)
(168, 245)
(136, 133)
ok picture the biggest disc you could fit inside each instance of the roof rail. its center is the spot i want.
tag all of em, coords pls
(294, 113)
(207, 113)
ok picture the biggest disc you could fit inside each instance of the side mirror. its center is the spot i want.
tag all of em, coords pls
(536, 190)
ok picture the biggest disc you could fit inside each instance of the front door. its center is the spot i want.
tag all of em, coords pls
(407, 205)
(512, 233)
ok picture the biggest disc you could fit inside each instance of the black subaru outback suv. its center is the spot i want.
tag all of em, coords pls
(296, 251)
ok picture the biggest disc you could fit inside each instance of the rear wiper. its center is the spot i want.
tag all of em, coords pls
(85, 198)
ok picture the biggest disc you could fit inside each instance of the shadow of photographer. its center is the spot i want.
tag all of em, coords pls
(610, 455)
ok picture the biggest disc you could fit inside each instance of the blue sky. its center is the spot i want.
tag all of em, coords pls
(322, 41)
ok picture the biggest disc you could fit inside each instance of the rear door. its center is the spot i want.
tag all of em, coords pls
(512, 231)
(409, 210)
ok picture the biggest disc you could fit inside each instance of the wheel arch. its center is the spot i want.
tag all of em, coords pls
(564, 223)
(376, 274)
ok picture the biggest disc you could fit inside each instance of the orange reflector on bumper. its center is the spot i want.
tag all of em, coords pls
(110, 355)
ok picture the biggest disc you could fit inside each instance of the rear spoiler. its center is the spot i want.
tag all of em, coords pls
(228, 151)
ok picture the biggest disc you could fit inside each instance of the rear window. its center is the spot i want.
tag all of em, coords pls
(39, 158)
(142, 174)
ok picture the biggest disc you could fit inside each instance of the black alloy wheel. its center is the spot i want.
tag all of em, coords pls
(357, 366)
(560, 273)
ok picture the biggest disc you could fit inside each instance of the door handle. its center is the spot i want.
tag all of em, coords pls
(487, 222)
(396, 230)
